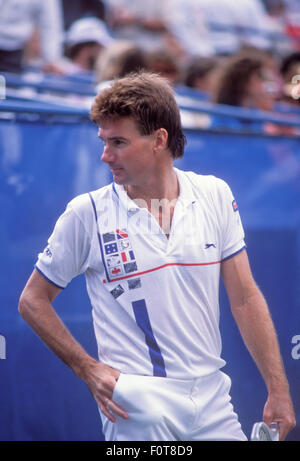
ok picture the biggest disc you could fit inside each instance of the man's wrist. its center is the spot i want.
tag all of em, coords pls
(83, 367)
(278, 385)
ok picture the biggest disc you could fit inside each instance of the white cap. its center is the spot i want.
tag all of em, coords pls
(88, 30)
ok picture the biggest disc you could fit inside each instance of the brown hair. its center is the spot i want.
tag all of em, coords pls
(233, 80)
(149, 100)
(119, 59)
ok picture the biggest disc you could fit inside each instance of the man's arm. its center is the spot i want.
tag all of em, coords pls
(252, 316)
(35, 306)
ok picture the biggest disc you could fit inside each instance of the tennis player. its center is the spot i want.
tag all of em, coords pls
(152, 246)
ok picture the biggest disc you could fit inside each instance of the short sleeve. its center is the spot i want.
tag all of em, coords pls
(67, 252)
(232, 232)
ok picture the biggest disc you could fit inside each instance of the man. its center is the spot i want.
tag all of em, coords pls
(152, 246)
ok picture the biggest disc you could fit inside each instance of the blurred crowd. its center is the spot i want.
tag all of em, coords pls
(239, 53)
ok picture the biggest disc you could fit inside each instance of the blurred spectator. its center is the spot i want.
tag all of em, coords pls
(78, 9)
(140, 22)
(120, 58)
(220, 18)
(209, 27)
(292, 18)
(85, 41)
(32, 52)
(275, 8)
(252, 23)
(186, 22)
(247, 81)
(18, 21)
(290, 71)
(276, 26)
(200, 74)
(162, 62)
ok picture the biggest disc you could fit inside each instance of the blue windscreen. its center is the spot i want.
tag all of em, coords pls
(44, 163)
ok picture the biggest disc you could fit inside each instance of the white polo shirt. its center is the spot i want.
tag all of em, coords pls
(155, 299)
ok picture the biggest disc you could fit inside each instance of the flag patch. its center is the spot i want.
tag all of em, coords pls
(127, 256)
(134, 283)
(114, 260)
(108, 237)
(121, 234)
(115, 271)
(130, 267)
(124, 245)
(117, 291)
(111, 248)
(118, 254)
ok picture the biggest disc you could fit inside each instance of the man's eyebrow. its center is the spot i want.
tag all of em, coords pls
(112, 138)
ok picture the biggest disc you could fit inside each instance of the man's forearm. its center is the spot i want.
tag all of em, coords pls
(253, 318)
(258, 332)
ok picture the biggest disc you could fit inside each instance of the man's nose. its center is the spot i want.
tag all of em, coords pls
(107, 155)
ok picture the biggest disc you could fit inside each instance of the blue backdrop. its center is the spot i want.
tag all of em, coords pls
(46, 162)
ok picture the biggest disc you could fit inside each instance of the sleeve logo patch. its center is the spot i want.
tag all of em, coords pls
(235, 205)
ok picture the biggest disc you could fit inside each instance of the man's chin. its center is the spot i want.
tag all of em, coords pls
(119, 179)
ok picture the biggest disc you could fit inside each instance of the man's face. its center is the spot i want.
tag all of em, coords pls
(128, 154)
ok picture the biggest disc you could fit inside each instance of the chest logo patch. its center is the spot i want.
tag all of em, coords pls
(118, 254)
(209, 245)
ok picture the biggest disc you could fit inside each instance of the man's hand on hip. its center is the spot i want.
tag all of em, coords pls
(101, 380)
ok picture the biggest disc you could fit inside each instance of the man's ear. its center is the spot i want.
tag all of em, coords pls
(160, 140)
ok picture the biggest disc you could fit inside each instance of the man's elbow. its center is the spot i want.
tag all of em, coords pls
(36, 294)
(27, 304)
(24, 304)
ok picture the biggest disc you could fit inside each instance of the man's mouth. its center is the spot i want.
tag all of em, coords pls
(115, 169)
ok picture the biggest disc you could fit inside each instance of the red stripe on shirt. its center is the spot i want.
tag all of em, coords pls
(162, 267)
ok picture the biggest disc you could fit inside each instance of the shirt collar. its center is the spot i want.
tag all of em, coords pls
(186, 193)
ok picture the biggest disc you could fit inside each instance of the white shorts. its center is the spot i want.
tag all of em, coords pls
(164, 409)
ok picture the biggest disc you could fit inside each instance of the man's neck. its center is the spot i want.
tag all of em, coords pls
(159, 196)
(161, 186)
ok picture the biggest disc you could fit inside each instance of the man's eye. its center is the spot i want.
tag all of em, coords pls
(118, 142)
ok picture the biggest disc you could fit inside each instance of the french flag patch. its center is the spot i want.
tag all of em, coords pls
(234, 205)
(127, 256)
